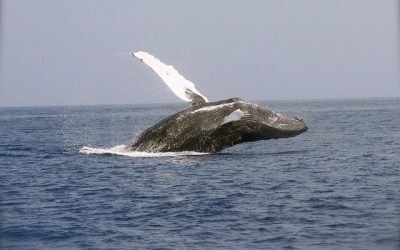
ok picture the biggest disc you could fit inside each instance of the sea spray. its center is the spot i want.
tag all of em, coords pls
(123, 151)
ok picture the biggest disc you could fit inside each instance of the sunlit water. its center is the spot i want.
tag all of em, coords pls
(66, 182)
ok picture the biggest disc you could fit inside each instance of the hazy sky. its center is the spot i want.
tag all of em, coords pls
(71, 52)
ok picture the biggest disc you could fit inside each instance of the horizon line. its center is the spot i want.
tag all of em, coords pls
(183, 103)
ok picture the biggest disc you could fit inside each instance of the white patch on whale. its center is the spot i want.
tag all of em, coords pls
(209, 108)
(234, 116)
(175, 81)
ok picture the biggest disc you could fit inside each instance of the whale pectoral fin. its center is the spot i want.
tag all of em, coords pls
(181, 87)
(195, 98)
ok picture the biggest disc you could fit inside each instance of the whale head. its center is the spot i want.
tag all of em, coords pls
(239, 121)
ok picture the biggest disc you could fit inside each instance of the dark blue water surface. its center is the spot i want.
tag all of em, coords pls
(337, 186)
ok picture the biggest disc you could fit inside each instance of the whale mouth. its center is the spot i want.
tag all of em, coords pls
(285, 124)
(273, 120)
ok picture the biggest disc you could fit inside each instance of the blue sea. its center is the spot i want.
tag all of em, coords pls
(66, 183)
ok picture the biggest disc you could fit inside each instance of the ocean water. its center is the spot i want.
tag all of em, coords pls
(67, 184)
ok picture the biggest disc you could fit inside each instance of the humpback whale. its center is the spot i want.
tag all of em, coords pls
(209, 126)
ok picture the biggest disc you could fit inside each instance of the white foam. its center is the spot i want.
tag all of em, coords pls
(122, 150)
(175, 81)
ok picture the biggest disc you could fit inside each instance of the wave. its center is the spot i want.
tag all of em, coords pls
(122, 150)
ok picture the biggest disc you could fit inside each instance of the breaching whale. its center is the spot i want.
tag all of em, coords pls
(209, 126)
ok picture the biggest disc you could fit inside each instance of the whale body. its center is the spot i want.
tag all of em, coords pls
(209, 126)
(214, 126)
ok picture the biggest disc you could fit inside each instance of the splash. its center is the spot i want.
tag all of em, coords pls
(123, 151)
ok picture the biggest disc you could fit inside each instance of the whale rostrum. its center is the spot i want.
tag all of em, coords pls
(209, 126)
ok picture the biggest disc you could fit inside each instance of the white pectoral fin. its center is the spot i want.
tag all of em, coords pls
(234, 116)
(182, 88)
